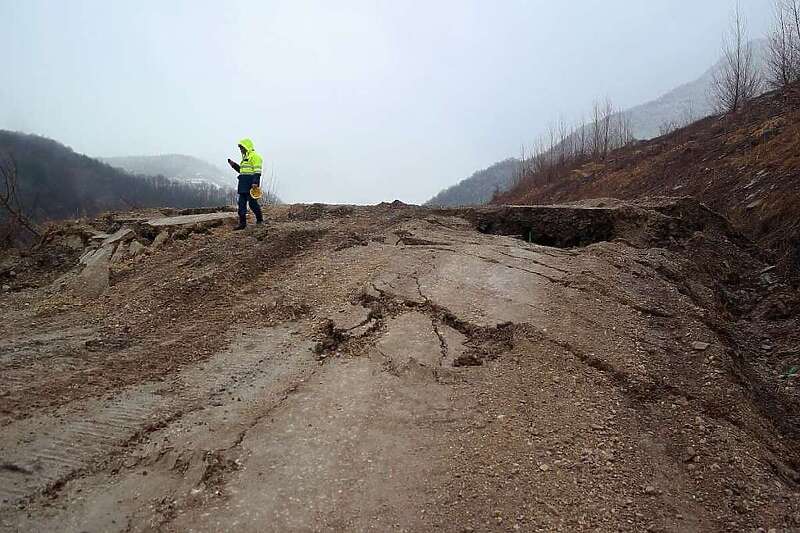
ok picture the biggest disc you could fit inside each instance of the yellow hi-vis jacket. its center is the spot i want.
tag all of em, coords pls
(251, 162)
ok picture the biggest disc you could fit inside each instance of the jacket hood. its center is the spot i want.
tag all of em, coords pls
(248, 145)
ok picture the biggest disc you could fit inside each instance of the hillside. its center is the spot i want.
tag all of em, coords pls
(478, 188)
(56, 183)
(746, 166)
(686, 103)
(175, 166)
(397, 368)
(679, 106)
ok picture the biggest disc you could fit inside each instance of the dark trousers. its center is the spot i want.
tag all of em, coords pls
(245, 199)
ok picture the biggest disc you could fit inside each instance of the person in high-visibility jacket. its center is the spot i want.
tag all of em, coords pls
(249, 177)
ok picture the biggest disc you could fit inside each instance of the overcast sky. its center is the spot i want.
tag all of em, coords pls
(349, 101)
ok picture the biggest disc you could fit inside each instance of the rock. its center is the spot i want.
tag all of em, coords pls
(6, 288)
(120, 253)
(93, 279)
(361, 330)
(700, 346)
(188, 220)
(544, 467)
(87, 255)
(370, 293)
(98, 235)
(124, 234)
(650, 490)
(350, 318)
(160, 239)
(136, 248)
(74, 241)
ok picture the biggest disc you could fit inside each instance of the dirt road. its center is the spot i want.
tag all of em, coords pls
(393, 368)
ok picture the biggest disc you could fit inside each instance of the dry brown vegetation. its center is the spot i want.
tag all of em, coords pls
(745, 165)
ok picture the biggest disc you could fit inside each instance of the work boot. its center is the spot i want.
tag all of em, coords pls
(239, 228)
(259, 222)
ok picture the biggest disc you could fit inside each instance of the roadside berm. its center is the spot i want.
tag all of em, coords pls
(598, 366)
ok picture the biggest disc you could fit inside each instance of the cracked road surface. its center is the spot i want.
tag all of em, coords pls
(391, 369)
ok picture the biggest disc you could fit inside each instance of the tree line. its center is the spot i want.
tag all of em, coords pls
(41, 180)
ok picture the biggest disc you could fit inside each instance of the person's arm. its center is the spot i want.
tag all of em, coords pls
(234, 165)
(256, 180)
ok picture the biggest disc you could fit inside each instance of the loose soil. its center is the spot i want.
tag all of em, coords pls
(615, 367)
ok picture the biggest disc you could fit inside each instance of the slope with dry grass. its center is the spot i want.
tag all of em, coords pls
(746, 166)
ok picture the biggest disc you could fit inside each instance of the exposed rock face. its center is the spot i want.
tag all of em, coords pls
(93, 279)
(124, 234)
(120, 253)
(160, 239)
(136, 248)
(351, 318)
(187, 220)
(74, 241)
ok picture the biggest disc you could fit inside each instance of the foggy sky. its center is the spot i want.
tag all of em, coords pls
(348, 101)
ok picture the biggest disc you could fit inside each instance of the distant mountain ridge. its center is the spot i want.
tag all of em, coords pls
(180, 167)
(683, 104)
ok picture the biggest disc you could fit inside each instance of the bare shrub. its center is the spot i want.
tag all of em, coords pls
(783, 53)
(14, 222)
(737, 81)
(688, 116)
(565, 146)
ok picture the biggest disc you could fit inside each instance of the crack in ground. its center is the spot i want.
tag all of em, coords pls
(419, 288)
(534, 261)
(496, 262)
(442, 341)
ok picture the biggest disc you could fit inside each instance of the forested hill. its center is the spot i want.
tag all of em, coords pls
(176, 166)
(55, 182)
(478, 188)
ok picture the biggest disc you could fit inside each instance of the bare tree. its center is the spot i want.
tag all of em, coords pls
(737, 81)
(11, 208)
(783, 58)
(792, 13)
(563, 148)
(272, 188)
(600, 141)
(687, 116)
